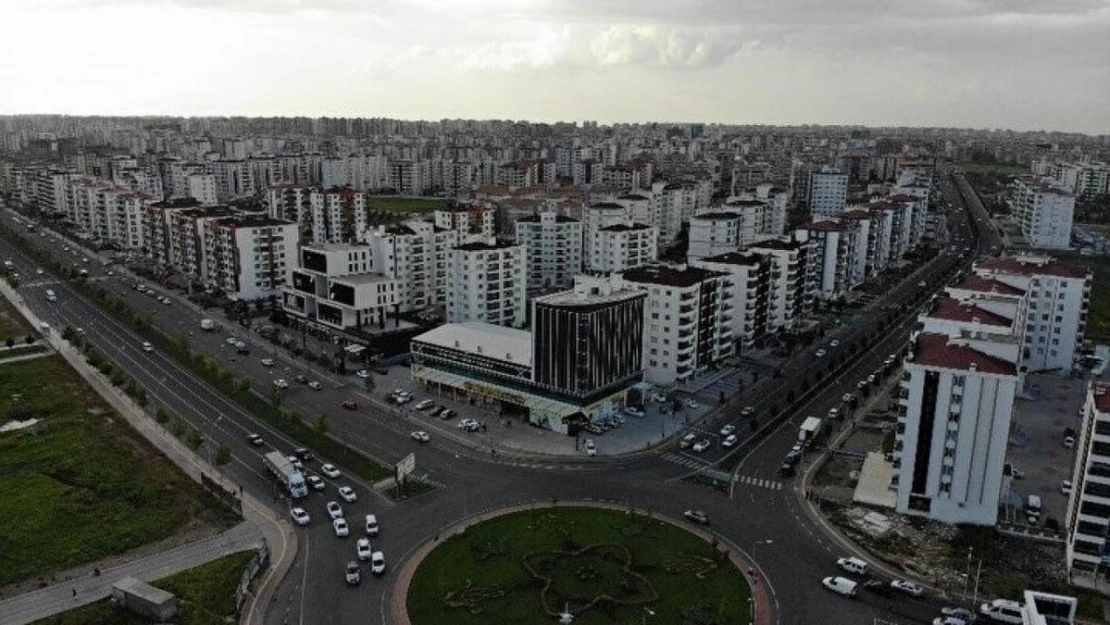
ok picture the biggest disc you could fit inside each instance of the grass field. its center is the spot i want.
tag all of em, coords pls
(605, 565)
(406, 204)
(1098, 318)
(12, 324)
(87, 487)
(205, 596)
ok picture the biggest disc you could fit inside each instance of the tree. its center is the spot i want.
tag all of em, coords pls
(275, 396)
(194, 438)
(321, 423)
(369, 384)
(223, 455)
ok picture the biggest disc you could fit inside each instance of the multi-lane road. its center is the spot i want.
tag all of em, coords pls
(761, 515)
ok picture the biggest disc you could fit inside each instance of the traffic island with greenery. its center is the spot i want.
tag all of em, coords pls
(83, 485)
(601, 565)
(205, 596)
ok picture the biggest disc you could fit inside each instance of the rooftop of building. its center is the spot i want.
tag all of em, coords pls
(942, 352)
(734, 258)
(668, 275)
(855, 213)
(589, 295)
(745, 202)
(212, 212)
(716, 216)
(335, 247)
(825, 225)
(952, 309)
(363, 278)
(253, 220)
(988, 285)
(777, 244)
(1100, 392)
(1031, 266)
(180, 202)
(487, 245)
(606, 206)
(487, 339)
(901, 197)
(559, 218)
(634, 197)
(624, 227)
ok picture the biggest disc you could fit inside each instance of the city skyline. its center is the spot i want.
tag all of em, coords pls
(983, 64)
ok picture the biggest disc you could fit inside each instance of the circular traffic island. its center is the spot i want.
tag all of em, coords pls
(602, 566)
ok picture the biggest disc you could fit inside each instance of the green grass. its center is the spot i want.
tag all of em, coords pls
(21, 350)
(89, 486)
(406, 204)
(483, 576)
(205, 596)
(12, 324)
(1098, 317)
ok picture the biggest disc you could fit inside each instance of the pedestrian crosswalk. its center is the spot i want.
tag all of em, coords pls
(698, 465)
(759, 482)
(684, 461)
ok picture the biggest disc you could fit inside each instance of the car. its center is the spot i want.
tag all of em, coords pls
(1065, 487)
(353, 576)
(467, 424)
(420, 436)
(242, 349)
(634, 411)
(820, 353)
(834, 343)
(862, 385)
(787, 469)
(879, 587)
(436, 410)
(340, 527)
(377, 563)
(268, 362)
(254, 439)
(281, 383)
(793, 456)
(447, 414)
(424, 404)
(166, 302)
(296, 462)
(110, 273)
(301, 379)
(363, 549)
(591, 449)
(38, 272)
(922, 284)
(853, 565)
(687, 441)
(231, 340)
(840, 585)
(362, 373)
(747, 411)
(147, 347)
(315, 385)
(300, 516)
(348, 494)
(1069, 442)
(697, 516)
(330, 471)
(350, 404)
(908, 587)
(315, 482)
(949, 620)
(729, 441)
(871, 379)
(701, 445)
(848, 398)
(371, 525)
(659, 398)
(958, 612)
(691, 403)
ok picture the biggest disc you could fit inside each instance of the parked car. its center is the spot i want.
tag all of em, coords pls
(728, 429)
(301, 378)
(267, 362)
(958, 612)
(879, 587)
(634, 411)
(820, 353)
(350, 404)
(1065, 487)
(330, 471)
(908, 587)
(747, 411)
(447, 414)
(340, 527)
(362, 373)
(840, 585)
(436, 410)
(701, 445)
(697, 516)
(281, 383)
(421, 436)
(300, 516)
(687, 441)
(853, 565)
(729, 441)
(315, 385)
(591, 449)
(659, 398)
(424, 404)
(348, 494)
(692, 403)
(371, 525)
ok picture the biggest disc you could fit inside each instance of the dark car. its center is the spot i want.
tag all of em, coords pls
(787, 469)
(303, 454)
(436, 410)
(879, 587)
(350, 404)
(301, 378)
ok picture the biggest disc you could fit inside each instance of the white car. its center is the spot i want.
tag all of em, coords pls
(729, 441)
(371, 525)
(340, 527)
(377, 563)
(634, 411)
(300, 516)
(362, 373)
(747, 411)
(659, 398)
(591, 449)
(421, 436)
(266, 362)
(424, 404)
(281, 383)
(728, 429)
(348, 494)
(38, 272)
(958, 612)
(315, 483)
(231, 340)
(840, 585)
(147, 347)
(296, 462)
(362, 548)
(315, 385)
(834, 343)
(335, 511)
(820, 353)
(1065, 487)
(330, 471)
(692, 403)
(908, 587)
(701, 445)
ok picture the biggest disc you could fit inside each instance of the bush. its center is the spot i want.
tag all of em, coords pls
(29, 339)
(161, 415)
(194, 439)
(10, 342)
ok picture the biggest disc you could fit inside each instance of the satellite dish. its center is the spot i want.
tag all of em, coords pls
(565, 617)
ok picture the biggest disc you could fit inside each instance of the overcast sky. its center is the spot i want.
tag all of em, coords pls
(1023, 64)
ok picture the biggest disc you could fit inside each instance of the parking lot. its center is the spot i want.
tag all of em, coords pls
(1050, 404)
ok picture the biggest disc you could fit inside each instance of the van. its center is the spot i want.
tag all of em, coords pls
(1002, 611)
(50, 296)
(840, 585)
(853, 565)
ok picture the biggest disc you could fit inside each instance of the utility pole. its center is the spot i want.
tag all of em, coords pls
(975, 594)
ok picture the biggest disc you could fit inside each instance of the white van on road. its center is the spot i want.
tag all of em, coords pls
(853, 565)
(840, 585)
(1002, 611)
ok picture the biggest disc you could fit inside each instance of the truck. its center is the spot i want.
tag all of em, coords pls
(811, 427)
(283, 471)
(207, 325)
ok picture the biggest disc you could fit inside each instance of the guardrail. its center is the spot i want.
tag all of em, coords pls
(260, 561)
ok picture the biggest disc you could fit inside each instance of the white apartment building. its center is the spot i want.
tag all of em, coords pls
(337, 215)
(954, 420)
(50, 190)
(777, 201)
(416, 254)
(687, 321)
(107, 213)
(621, 246)
(334, 286)
(233, 179)
(471, 222)
(250, 257)
(828, 192)
(186, 242)
(834, 252)
(487, 283)
(641, 207)
(677, 203)
(202, 187)
(1088, 514)
(860, 263)
(749, 279)
(1043, 211)
(1059, 299)
(553, 250)
(792, 290)
(879, 234)
(716, 232)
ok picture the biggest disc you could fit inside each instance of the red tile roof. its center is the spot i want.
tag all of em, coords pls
(1031, 266)
(1101, 391)
(935, 350)
(988, 285)
(855, 214)
(955, 310)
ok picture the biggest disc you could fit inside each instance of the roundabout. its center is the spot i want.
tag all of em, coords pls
(599, 564)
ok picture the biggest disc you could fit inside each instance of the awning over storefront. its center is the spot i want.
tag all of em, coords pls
(540, 407)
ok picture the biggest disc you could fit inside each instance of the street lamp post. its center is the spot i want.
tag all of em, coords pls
(643, 617)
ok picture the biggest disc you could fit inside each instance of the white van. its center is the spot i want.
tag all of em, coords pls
(853, 565)
(50, 296)
(840, 585)
(1002, 611)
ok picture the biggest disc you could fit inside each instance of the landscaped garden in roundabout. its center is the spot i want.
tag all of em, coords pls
(603, 566)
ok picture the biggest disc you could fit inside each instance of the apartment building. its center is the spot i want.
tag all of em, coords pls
(156, 227)
(1059, 300)
(1043, 211)
(487, 283)
(687, 321)
(793, 283)
(621, 246)
(250, 256)
(553, 250)
(776, 201)
(470, 221)
(233, 179)
(335, 286)
(749, 279)
(1088, 513)
(416, 254)
(828, 192)
(337, 215)
(187, 239)
(106, 212)
(861, 259)
(834, 252)
(202, 187)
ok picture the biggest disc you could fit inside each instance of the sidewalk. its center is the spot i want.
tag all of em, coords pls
(261, 522)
